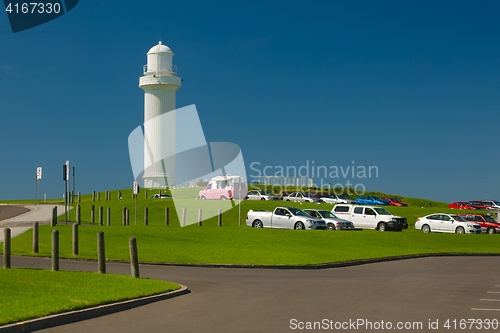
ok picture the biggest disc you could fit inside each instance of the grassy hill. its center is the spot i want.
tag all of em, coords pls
(235, 243)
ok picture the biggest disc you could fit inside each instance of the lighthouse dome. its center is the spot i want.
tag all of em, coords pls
(160, 61)
(160, 48)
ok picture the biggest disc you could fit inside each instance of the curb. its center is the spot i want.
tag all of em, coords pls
(333, 264)
(88, 313)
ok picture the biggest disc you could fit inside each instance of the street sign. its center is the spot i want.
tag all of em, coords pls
(136, 188)
(39, 173)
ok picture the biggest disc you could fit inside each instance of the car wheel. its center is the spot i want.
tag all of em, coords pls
(203, 198)
(299, 226)
(382, 226)
(330, 226)
(222, 197)
(262, 199)
(257, 224)
(460, 230)
(426, 229)
(491, 230)
(287, 199)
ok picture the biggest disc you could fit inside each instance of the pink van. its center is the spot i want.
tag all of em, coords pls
(225, 188)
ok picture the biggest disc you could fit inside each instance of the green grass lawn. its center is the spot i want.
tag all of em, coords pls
(242, 245)
(33, 293)
(233, 243)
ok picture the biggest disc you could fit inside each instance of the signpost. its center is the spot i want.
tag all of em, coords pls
(66, 190)
(136, 192)
(38, 184)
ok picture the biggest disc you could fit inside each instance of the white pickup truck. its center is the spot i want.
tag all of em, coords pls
(368, 217)
(284, 218)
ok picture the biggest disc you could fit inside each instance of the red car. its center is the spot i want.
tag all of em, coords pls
(396, 202)
(487, 223)
(460, 205)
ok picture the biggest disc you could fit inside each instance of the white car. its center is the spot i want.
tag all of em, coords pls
(332, 221)
(261, 195)
(442, 222)
(492, 204)
(300, 197)
(336, 199)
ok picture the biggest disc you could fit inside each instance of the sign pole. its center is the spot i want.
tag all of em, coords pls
(136, 194)
(239, 204)
(38, 185)
(34, 194)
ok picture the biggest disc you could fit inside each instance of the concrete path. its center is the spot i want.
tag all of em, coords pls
(21, 223)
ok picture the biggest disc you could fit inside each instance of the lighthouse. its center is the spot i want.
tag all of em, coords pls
(160, 83)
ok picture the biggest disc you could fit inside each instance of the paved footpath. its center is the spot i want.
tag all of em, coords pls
(29, 214)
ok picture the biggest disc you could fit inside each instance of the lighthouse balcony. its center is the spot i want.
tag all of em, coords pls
(171, 70)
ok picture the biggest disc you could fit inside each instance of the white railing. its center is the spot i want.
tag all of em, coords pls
(172, 69)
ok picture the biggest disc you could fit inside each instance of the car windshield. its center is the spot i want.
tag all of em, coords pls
(458, 218)
(375, 198)
(396, 200)
(381, 211)
(264, 193)
(488, 218)
(297, 212)
(326, 214)
(343, 197)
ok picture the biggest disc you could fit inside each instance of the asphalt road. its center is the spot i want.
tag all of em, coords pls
(8, 211)
(413, 292)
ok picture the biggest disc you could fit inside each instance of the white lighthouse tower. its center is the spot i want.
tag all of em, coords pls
(160, 83)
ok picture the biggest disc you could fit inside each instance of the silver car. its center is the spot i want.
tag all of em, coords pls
(332, 221)
(300, 197)
(261, 195)
(336, 199)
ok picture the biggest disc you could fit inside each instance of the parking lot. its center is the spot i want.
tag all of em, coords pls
(421, 290)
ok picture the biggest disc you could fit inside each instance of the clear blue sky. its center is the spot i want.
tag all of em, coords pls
(412, 88)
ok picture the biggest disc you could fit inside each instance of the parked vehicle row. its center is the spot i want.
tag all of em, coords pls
(331, 199)
(351, 216)
(476, 205)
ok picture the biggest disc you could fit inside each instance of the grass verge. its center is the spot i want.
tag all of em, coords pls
(242, 245)
(33, 293)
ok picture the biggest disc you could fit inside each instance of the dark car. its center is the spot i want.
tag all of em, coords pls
(487, 223)
(477, 204)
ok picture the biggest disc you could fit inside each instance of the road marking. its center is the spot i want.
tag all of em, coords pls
(478, 309)
(493, 292)
(489, 299)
